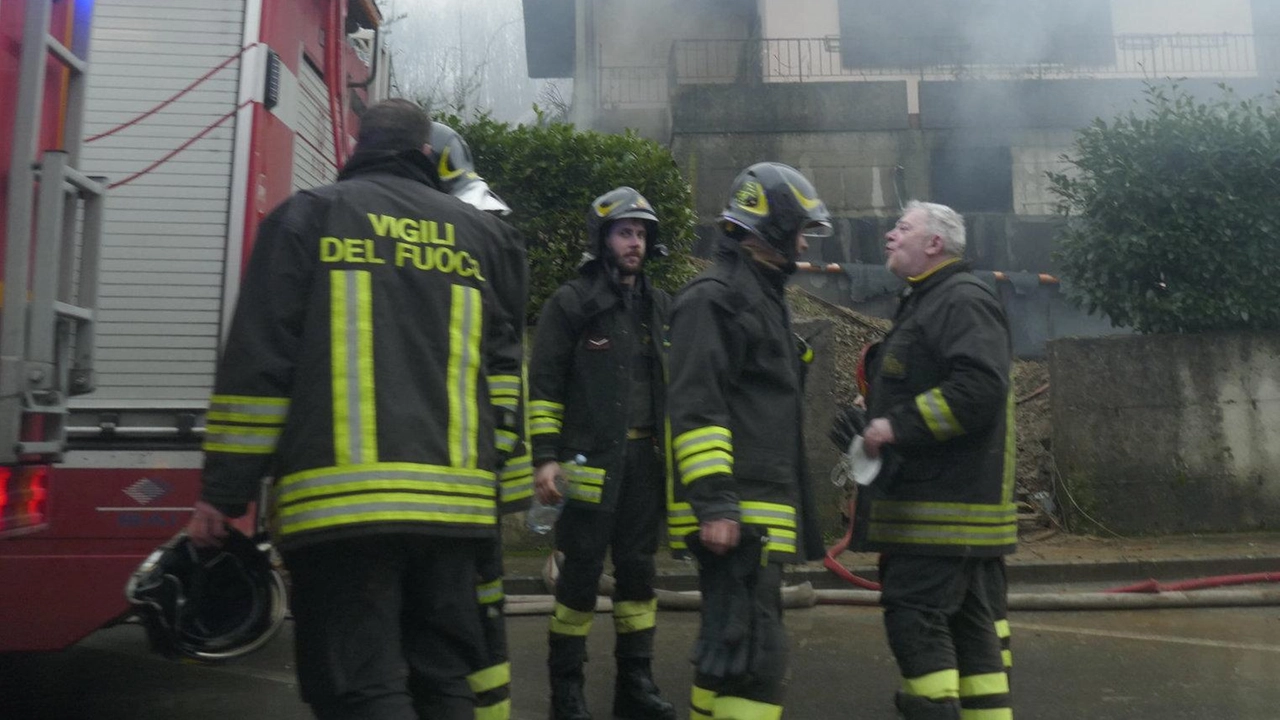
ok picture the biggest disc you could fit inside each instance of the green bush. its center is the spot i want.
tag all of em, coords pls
(549, 173)
(1172, 215)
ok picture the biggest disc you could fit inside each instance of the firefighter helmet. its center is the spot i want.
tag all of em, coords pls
(208, 604)
(452, 157)
(618, 204)
(774, 201)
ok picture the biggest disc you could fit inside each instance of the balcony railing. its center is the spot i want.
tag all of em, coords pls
(634, 86)
(823, 59)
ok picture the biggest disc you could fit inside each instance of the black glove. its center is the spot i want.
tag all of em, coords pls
(728, 584)
(849, 423)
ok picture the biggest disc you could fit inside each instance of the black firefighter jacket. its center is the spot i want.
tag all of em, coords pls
(942, 380)
(373, 366)
(580, 376)
(736, 408)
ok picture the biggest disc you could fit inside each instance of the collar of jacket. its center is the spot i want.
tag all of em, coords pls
(410, 164)
(769, 277)
(923, 282)
(604, 290)
(606, 282)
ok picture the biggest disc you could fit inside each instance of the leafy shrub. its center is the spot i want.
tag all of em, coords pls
(550, 172)
(1172, 215)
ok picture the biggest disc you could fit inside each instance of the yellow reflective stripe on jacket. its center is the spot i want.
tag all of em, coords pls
(680, 522)
(944, 512)
(586, 483)
(545, 417)
(704, 451)
(407, 477)
(940, 685)
(241, 439)
(248, 410)
(515, 481)
(567, 621)
(943, 534)
(996, 683)
(634, 615)
(386, 507)
(355, 429)
(937, 415)
(465, 329)
(727, 706)
(490, 593)
(505, 440)
(490, 678)
(504, 391)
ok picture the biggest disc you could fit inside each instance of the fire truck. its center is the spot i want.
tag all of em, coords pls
(141, 143)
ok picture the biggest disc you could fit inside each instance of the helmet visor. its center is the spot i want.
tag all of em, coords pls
(818, 229)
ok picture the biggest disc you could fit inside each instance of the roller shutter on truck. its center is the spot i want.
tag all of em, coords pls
(165, 235)
(313, 151)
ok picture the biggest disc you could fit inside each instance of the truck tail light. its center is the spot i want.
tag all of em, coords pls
(24, 497)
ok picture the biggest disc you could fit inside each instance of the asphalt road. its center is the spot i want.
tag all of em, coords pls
(1206, 664)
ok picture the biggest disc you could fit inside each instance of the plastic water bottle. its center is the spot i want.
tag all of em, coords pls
(540, 517)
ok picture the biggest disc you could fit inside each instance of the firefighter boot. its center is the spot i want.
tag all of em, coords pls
(568, 653)
(635, 696)
(915, 707)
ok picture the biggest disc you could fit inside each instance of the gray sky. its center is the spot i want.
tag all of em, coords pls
(468, 52)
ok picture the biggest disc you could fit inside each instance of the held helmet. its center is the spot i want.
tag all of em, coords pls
(774, 201)
(208, 604)
(458, 177)
(618, 204)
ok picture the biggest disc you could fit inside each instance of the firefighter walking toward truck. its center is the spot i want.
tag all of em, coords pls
(598, 393)
(941, 511)
(740, 501)
(375, 342)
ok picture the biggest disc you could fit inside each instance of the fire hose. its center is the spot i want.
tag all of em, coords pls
(1147, 595)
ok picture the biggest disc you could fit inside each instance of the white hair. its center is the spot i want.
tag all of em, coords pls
(943, 222)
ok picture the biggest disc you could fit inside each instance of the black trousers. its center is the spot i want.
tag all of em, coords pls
(491, 682)
(941, 617)
(585, 536)
(387, 627)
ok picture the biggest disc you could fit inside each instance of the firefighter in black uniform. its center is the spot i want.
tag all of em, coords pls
(597, 390)
(941, 513)
(738, 498)
(376, 335)
(492, 681)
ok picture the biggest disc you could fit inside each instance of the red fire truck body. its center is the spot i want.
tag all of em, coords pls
(146, 142)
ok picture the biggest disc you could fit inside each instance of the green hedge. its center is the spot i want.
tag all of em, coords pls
(549, 173)
(1173, 215)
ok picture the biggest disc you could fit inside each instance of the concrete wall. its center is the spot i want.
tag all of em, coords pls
(1168, 433)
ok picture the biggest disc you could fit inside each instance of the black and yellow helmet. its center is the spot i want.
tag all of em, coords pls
(618, 204)
(457, 170)
(209, 604)
(774, 201)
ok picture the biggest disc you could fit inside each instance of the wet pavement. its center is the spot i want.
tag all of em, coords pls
(1134, 665)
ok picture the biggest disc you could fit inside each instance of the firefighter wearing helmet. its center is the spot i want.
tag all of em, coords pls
(597, 403)
(457, 170)
(739, 500)
(491, 681)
